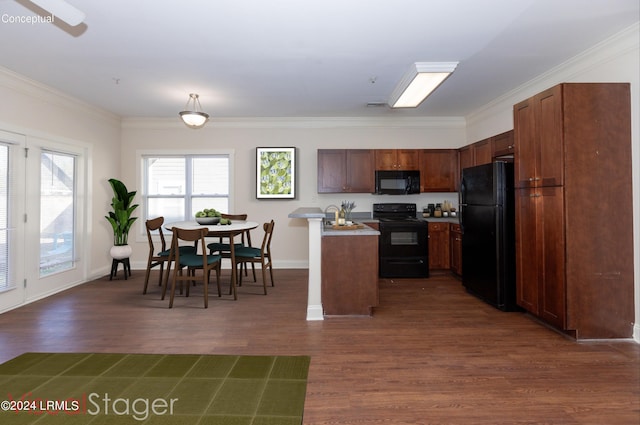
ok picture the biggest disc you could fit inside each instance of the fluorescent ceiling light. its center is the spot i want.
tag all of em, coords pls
(63, 10)
(418, 83)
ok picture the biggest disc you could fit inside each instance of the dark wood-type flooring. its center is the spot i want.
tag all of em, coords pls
(431, 354)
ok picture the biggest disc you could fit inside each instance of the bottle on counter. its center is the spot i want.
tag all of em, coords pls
(438, 211)
(342, 220)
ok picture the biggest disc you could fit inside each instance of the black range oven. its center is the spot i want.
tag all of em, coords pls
(403, 248)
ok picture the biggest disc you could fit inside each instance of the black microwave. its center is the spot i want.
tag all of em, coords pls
(392, 182)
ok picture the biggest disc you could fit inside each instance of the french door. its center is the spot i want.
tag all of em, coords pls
(45, 224)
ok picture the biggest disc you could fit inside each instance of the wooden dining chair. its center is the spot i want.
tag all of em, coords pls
(192, 262)
(160, 257)
(224, 249)
(260, 255)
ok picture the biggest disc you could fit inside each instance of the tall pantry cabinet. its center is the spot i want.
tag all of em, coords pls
(574, 246)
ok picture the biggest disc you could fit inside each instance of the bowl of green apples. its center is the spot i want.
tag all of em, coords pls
(208, 216)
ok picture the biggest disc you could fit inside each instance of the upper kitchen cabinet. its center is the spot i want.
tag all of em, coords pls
(574, 239)
(466, 157)
(539, 141)
(503, 144)
(346, 170)
(477, 153)
(483, 152)
(438, 170)
(396, 159)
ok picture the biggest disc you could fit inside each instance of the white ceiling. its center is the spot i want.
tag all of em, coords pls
(299, 58)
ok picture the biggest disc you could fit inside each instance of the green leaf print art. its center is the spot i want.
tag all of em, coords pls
(275, 173)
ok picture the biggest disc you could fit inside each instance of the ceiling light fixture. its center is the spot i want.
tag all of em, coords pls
(193, 117)
(418, 83)
(63, 10)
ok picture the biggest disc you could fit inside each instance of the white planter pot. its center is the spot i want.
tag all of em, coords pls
(119, 252)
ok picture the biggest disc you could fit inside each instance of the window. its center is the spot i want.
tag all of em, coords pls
(4, 217)
(177, 186)
(57, 212)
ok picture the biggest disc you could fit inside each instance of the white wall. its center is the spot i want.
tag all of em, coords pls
(290, 243)
(615, 60)
(34, 110)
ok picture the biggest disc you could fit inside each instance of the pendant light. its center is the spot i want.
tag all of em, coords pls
(192, 116)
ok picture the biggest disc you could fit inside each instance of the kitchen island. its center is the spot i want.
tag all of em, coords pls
(349, 270)
(351, 247)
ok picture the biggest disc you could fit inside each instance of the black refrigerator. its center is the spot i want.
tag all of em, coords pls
(488, 239)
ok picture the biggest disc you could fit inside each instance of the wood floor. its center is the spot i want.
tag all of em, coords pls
(431, 354)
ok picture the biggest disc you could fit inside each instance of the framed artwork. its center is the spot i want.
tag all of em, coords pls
(276, 173)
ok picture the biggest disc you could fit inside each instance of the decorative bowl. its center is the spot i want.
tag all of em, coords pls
(208, 220)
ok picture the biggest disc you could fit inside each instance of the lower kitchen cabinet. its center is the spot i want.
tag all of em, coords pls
(349, 274)
(540, 256)
(439, 246)
(455, 248)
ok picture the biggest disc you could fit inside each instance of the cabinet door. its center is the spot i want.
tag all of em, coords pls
(385, 159)
(528, 251)
(540, 281)
(502, 144)
(550, 218)
(407, 159)
(438, 170)
(525, 152)
(455, 248)
(483, 152)
(332, 170)
(466, 157)
(396, 159)
(550, 138)
(439, 246)
(360, 171)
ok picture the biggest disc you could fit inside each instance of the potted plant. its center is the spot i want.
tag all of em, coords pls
(120, 218)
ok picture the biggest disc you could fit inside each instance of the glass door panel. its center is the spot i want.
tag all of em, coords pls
(57, 212)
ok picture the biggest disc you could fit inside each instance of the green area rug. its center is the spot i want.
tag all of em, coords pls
(80, 388)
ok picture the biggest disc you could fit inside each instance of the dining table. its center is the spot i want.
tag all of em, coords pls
(235, 228)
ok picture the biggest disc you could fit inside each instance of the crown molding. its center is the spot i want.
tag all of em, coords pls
(36, 90)
(615, 46)
(304, 122)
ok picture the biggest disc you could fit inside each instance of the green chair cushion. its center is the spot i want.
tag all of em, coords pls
(183, 250)
(193, 260)
(248, 251)
(216, 246)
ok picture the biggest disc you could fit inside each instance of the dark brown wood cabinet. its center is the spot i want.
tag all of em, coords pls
(483, 152)
(346, 170)
(438, 170)
(572, 161)
(466, 157)
(396, 159)
(349, 274)
(455, 248)
(503, 144)
(540, 273)
(539, 140)
(477, 153)
(439, 246)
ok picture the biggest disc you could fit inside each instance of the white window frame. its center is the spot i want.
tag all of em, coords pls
(141, 233)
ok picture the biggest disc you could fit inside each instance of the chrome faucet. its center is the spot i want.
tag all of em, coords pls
(326, 210)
